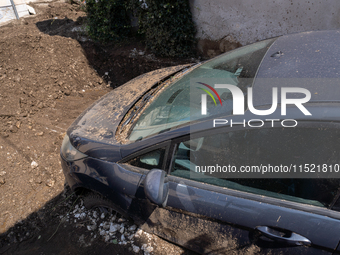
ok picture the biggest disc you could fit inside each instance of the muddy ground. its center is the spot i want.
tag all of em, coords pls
(49, 73)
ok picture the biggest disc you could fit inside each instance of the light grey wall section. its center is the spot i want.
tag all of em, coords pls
(6, 14)
(7, 11)
(247, 21)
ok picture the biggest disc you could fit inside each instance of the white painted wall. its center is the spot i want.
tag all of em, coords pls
(248, 21)
(7, 12)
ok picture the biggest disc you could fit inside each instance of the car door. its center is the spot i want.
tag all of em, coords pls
(215, 214)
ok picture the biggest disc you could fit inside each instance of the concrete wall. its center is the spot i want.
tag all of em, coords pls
(7, 11)
(247, 21)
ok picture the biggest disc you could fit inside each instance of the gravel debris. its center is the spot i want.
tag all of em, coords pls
(111, 229)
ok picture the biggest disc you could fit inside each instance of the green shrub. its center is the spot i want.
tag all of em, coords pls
(108, 20)
(168, 27)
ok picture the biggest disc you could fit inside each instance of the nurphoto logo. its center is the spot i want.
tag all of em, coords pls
(239, 106)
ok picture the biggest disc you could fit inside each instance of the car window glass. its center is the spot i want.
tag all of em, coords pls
(274, 146)
(149, 160)
(172, 105)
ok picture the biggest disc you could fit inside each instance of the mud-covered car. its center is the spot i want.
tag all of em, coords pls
(238, 154)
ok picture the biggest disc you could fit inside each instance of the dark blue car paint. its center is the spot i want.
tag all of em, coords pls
(114, 153)
(99, 122)
(98, 150)
(107, 178)
(249, 213)
(214, 237)
(236, 216)
(237, 213)
(214, 205)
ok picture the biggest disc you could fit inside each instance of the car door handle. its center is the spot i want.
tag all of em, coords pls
(289, 237)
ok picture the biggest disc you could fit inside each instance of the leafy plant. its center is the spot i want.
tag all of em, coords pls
(168, 27)
(108, 20)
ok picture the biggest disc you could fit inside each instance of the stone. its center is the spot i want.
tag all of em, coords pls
(31, 10)
(34, 164)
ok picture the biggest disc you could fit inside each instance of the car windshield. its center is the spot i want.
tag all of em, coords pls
(173, 105)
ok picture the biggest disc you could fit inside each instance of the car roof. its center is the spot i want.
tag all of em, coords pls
(308, 60)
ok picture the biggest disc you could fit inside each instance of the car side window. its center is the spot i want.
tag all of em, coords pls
(149, 160)
(270, 146)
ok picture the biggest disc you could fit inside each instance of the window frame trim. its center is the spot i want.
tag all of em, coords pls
(165, 145)
(325, 211)
(258, 198)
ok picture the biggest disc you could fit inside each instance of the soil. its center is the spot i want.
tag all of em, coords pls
(50, 72)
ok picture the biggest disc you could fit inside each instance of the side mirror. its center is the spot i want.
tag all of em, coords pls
(156, 187)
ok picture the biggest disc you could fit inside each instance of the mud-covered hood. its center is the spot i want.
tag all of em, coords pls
(93, 132)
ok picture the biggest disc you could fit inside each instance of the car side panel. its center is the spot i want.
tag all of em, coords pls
(106, 178)
(213, 223)
(246, 214)
(207, 236)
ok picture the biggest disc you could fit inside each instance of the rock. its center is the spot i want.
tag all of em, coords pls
(39, 134)
(31, 10)
(67, 92)
(132, 228)
(91, 227)
(148, 249)
(106, 226)
(113, 228)
(135, 249)
(34, 164)
(2, 173)
(13, 129)
(82, 216)
(139, 233)
(2, 181)
(50, 182)
(95, 214)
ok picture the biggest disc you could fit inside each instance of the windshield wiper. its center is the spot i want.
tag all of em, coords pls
(140, 104)
(138, 108)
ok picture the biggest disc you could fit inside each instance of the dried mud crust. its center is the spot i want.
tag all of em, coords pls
(49, 73)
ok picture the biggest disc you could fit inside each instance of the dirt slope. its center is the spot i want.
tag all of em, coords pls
(49, 73)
